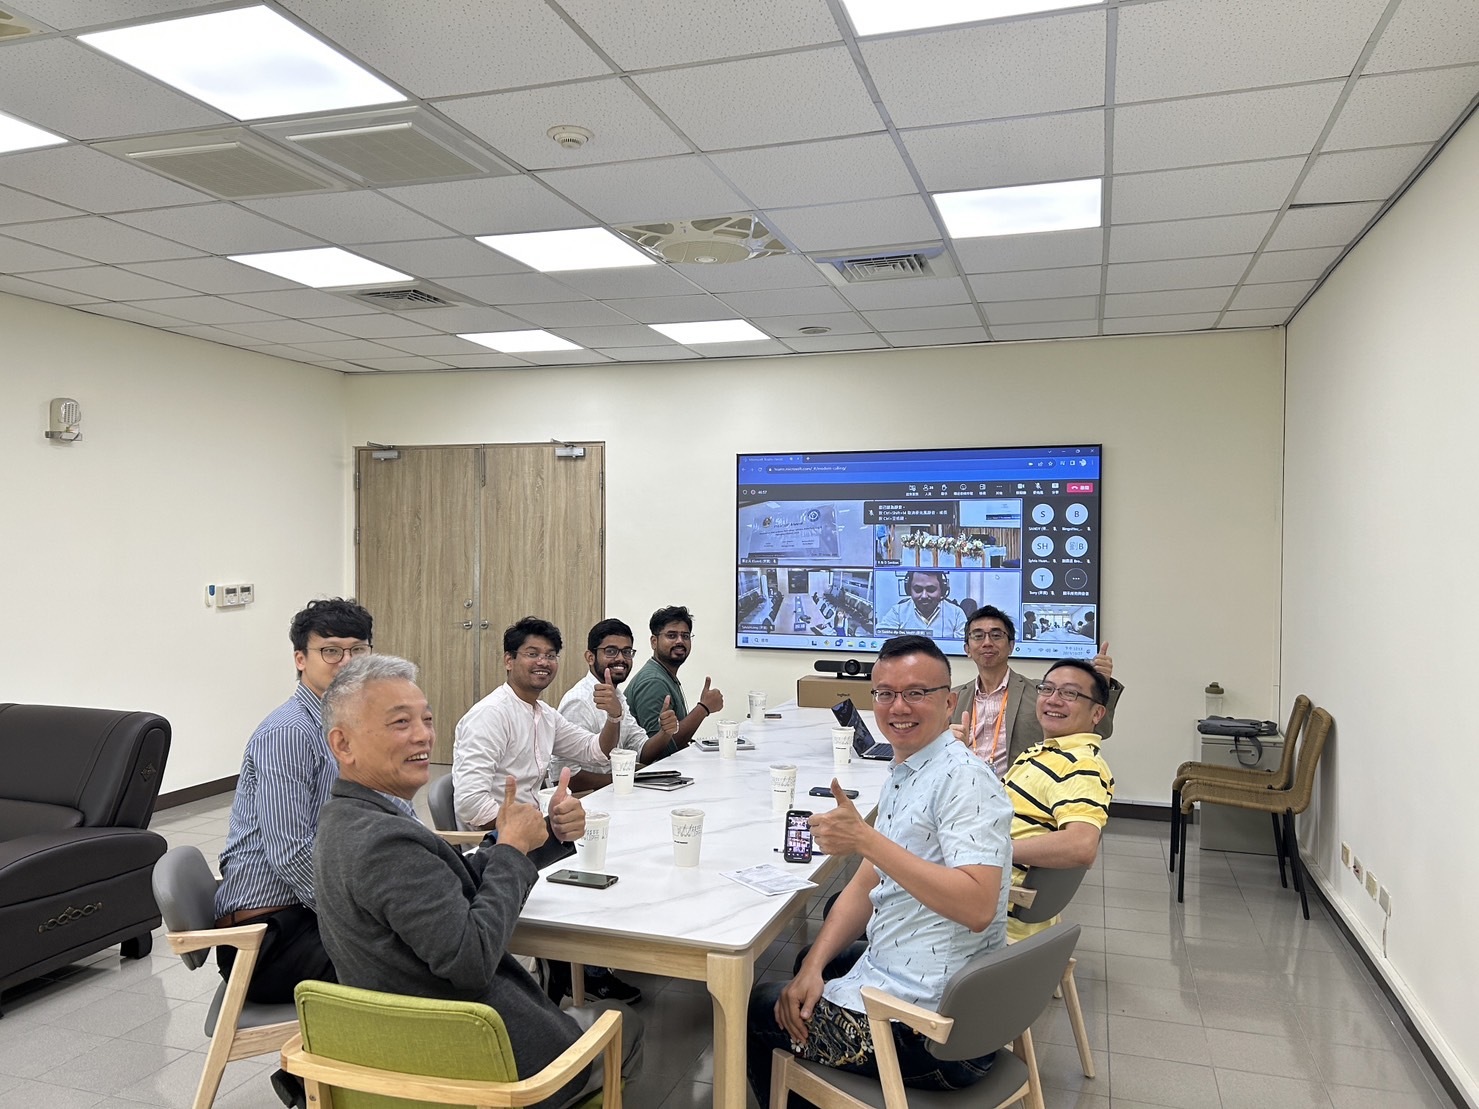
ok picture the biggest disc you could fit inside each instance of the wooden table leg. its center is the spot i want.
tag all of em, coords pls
(730, 978)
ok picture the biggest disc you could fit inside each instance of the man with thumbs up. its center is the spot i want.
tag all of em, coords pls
(655, 687)
(929, 895)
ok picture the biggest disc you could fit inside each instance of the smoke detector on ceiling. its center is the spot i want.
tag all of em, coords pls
(715, 240)
(570, 136)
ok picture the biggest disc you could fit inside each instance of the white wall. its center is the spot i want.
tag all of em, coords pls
(198, 463)
(1191, 427)
(1380, 608)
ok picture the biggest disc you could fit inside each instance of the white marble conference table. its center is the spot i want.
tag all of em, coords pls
(690, 922)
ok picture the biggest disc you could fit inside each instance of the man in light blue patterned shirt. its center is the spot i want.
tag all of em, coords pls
(929, 893)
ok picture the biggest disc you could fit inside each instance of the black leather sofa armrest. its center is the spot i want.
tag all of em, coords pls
(52, 863)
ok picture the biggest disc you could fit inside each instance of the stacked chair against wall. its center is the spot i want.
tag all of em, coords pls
(1243, 777)
(362, 1048)
(1283, 804)
(1051, 891)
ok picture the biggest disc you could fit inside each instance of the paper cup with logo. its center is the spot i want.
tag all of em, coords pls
(728, 738)
(782, 787)
(688, 834)
(623, 770)
(593, 844)
(757, 705)
(544, 797)
(841, 746)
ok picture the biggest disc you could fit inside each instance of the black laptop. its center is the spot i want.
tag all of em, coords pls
(862, 739)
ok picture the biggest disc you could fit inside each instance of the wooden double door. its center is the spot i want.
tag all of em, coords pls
(455, 543)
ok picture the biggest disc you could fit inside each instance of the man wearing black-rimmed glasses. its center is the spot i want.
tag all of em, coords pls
(655, 687)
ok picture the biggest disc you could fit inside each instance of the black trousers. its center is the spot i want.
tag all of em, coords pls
(291, 952)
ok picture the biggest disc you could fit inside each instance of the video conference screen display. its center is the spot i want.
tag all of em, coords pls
(842, 550)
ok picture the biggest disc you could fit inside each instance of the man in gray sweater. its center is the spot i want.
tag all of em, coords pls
(400, 910)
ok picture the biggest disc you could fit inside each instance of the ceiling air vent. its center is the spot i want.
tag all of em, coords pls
(11, 26)
(901, 265)
(714, 240)
(228, 162)
(393, 146)
(404, 297)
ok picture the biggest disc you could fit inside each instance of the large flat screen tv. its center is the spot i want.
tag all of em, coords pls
(841, 550)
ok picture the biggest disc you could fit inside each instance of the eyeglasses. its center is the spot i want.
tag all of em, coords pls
(618, 652)
(334, 654)
(535, 656)
(1067, 692)
(678, 637)
(996, 635)
(911, 696)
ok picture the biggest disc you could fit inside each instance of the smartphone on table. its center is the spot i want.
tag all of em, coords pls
(797, 848)
(583, 878)
(826, 791)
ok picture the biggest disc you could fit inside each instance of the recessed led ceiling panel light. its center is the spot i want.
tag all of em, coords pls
(325, 267)
(1021, 209)
(710, 331)
(585, 248)
(250, 63)
(15, 135)
(520, 342)
(882, 17)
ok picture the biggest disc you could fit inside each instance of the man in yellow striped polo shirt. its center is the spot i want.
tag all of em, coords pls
(1060, 788)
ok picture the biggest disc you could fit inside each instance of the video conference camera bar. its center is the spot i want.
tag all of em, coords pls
(852, 668)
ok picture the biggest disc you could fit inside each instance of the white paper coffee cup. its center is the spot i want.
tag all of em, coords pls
(593, 844)
(623, 770)
(544, 797)
(782, 787)
(841, 746)
(728, 738)
(688, 834)
(757, 705)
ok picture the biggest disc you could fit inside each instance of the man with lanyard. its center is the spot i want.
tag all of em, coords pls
(996, 714)
(655, 687)
(927, 610)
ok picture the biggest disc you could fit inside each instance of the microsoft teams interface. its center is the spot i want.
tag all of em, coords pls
(843, 550)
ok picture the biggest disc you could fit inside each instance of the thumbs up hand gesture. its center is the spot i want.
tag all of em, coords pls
(667, 720)
(607, 699)
(711, 698)
(1103, 663)
(519, 825)
(566, 813)
(843, 830)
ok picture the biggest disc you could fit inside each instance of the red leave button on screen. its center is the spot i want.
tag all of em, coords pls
(1080, 486)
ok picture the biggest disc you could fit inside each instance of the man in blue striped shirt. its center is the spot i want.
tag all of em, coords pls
(286, 775)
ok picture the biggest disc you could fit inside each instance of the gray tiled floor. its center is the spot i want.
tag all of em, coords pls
(1231, 1000)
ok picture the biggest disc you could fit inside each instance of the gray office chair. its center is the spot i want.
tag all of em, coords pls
(990, 1002)
(185, 889)
(444, 813)
(1052, 890)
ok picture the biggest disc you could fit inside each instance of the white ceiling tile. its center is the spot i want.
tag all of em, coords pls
(702, 100)
(1331, 225)
(649, 354)
(361, 216)
(1166, 303)
(378, 325)
(1282, 294)
(1293, 265)
(685, 309)
(19, 207)
(289, 351)
(491, 205)
(858, 225)
(517, 124)
(132, 313)
(1061, 147)
(1150, 325)
(1185, 273)
(789, 271)
(19, 257)
(639, 281)
(301, 303)
(1188, 238)
(1037, 284)
(456, 47)
(1403, 108)
(468, 318)
(68, 15)
(784, 302)
(915, 292)
(1063, 329)
(1026, 67)
(1427, 33)
(343, 367)
(856, 168)
(433, 346)
(889, 320)
(219, 229)
(516, 288)
(1232, 127)
(94, 182)
(1050, 250)
(813, 344)
(789, 327)
(1255, 317)
(295, 332)
(487, 360)
(617, 335)
(570, 313)
(564, 357)
(100, 239)
(1185, 47)
(1042, 311)
(104, 99)
(339, 347)
(402, 364)
(22, 287)
(1359, 174)
(940, 337)
(210, 310)
(1203, 191)
(689, 32)
(217, 335)
(212, 275)
(640, 192)
(107, 283)
(753, 349)
(439, 258)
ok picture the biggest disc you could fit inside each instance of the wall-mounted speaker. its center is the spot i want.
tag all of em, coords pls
(852, 668)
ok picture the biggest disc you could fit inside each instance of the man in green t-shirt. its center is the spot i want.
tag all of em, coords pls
(655, 687)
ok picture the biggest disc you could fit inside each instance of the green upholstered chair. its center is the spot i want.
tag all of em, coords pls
(360, 1049)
